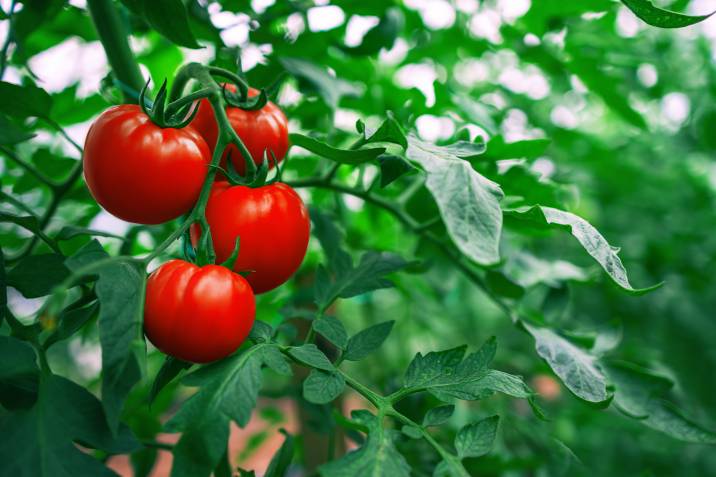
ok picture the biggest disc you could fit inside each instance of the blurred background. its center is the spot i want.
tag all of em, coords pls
(628, 112)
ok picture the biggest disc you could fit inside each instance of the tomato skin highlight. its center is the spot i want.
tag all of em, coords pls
(265, 129)
(197, 314)
(273, 224)
(140, 172)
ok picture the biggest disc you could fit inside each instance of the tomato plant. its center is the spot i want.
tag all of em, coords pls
(197, 314)
(272, 224)
(454, 238)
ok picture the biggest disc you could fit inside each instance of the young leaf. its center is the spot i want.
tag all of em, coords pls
(321, 387)
(332, 329)
(438, 415)
(468, 202)
(661, 18)
(227, 391)
(64, 412)
(589, 237)
(378, 456)
(312, 356)
(341, 156)
(367, 341)
(574, 366)
(36, 275)
(475, 440)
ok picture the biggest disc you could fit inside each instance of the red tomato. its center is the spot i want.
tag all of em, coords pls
(273, 224)
(262, 130)
(140, 172)
(197, 314)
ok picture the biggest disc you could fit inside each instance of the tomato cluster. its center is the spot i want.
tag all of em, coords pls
(147, 174)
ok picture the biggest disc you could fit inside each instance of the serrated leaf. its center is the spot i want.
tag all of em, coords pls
(367, 341)
(36, 275)
(475, 440)
(660, 17)
(438, 415)
(332, 329)
(468, 202)
(377, 457)
(321, 387)
(228, 390)
(312, 356)
(588, 236)
(63, 414)
(341, 156)
(577, 369)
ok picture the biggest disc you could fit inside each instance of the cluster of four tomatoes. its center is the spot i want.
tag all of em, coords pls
(146, 174)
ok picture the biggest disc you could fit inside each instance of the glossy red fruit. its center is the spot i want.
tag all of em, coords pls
(140, 172)
(197, 314)
(262, 130)
(273, 224)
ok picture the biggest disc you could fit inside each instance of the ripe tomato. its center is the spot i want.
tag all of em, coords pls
(262, 130)
(273, 224)
(197, 314)
(140, 172)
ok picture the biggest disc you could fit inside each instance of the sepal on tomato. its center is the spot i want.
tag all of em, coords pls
(156, 110)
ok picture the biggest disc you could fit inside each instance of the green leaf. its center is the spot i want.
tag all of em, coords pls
(367, 341)
(120, 290)
(310, 355)
(438, 415)
(378, 456)
(228, 390)
(36, 275)
(577, 369)
(70, 231)
(392, 168)
(70, 321)
(11, 134)
(24, 101)
(341, 156)
(261, 332)
(661, 18)
(468, 202)
(389, 130)
(31, 224)
(475, 440)
(280, 462)
(321, 387)
(498, 149)
(18, 374)
(349, 282)
(382, 35)
(588, 236)
(170, 369)
(332, 329)
(169, 17)
(326, 230)
(317, 78)
(64, 413)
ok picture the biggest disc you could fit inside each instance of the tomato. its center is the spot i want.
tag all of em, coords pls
(197, 314)
(262, 130)
(273, 224)
(140, 172)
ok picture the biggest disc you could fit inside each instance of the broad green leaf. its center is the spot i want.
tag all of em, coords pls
(227, 392)
(577, 369)
(342, 156)
(18, 374)
(11, 134)
(438, 415)
(468, 202)
(24, 101)
(589, 237)
(322, 387)
(169, 17)
(329, 88)
(312, 356)
(367, 341)
(261, 331)
(475, 440)
(36, 275)
(64, 413)
(378, 456)
(659, 17)
(332, 329)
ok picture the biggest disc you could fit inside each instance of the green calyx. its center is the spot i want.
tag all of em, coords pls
(257, 178)
(161, 115)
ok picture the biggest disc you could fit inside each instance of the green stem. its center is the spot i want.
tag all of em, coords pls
(375, 399)
(114, 40)
(18, 203)
(175, 106)
(8, 40)
(64, 134)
